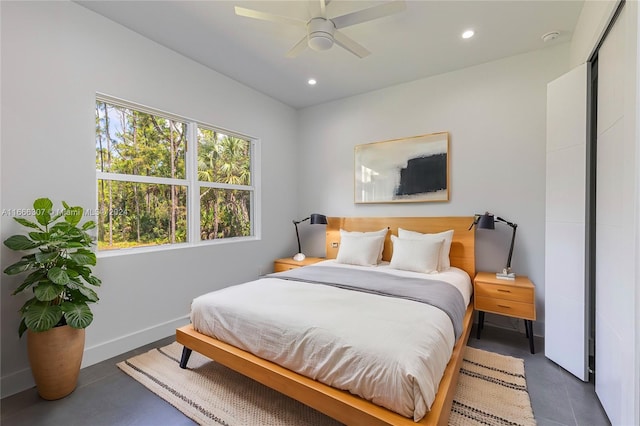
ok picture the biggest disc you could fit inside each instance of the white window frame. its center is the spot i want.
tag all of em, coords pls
(191, 182)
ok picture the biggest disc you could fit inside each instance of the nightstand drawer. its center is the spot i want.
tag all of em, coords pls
(505, 307)
(287, 263)
(280, 267)
(496, 291)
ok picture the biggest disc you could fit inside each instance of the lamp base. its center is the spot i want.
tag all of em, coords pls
(506, 274)
(299, 257)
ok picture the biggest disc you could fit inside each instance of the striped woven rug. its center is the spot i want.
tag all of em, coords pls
(491, 391)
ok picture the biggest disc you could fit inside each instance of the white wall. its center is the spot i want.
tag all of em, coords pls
(495, 114)
(55, 57)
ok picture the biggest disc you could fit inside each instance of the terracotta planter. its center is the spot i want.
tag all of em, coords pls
(55, 357)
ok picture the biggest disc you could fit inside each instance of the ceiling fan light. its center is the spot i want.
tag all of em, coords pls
(320, 42)
(320, 32)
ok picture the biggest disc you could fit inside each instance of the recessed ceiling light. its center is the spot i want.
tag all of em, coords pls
(468, 34)
(312, 81)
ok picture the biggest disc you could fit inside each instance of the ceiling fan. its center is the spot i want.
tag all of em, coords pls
(322, 31)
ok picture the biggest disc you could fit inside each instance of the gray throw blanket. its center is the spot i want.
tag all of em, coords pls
(440, 294)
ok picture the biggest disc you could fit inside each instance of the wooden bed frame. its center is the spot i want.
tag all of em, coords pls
(341, 405)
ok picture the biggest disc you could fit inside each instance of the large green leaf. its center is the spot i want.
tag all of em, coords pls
(88, 225)
(75, 234)
(22, 328)
(93, 280)
(91, 295)
(73, 273)
(72, 215)
(41, 316)
(83, 257)
(47, 291)
(26, 305)
(72, 245)
(31, 278)
(46, 257)
(78, 315)
(74, 284)
(18, 267)
(40, 236)
(58, 276)
(75, 297)
(26, 223)
(20, 242)
(43, 208)
(85, 272)
(62, 228)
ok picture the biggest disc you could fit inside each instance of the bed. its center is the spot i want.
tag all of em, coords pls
(238, 352)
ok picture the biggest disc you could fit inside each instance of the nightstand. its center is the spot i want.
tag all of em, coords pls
(513, 298)
(288, 263)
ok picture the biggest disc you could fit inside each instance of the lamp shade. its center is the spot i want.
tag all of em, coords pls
(318, 219)
(486, 221)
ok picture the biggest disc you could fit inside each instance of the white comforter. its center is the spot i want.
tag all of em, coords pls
(390, 351)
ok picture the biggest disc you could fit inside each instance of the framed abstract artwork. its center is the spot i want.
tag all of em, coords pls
(414, 169)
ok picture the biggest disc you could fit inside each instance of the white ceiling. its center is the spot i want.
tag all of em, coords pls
(423, 40)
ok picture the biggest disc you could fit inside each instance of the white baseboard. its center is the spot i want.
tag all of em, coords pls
(105, 350)
(18, 381)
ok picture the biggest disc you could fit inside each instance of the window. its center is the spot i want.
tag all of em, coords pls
(153, 189)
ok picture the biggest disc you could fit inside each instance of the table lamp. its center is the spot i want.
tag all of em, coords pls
(487, 221)
(315, 219)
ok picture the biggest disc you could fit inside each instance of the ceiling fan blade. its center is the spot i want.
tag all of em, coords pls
(256, 14)
(298, 48)
(350, 45)
(369, 14)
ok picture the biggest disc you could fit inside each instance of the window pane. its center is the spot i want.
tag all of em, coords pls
(136, 143)
(134, 214)
(223, 159)
(224, 213)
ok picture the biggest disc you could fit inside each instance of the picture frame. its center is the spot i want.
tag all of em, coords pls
(413, 169)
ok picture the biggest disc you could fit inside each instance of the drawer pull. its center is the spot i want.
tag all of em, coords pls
(504, 306)
(504, 291)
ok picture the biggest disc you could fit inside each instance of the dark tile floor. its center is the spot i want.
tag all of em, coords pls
(106, 396)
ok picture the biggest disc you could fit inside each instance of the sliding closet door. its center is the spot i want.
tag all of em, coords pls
(616, 219)
(565, 290)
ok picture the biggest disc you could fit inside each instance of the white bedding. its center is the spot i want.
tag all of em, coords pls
(390, 351)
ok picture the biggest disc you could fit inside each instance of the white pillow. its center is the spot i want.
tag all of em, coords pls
(359, 250)
(444, 262)
(382, 232)
(418, 255)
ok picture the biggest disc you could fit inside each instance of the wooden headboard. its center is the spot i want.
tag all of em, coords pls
(462, 254)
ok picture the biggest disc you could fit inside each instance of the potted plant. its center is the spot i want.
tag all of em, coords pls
(58, 267)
